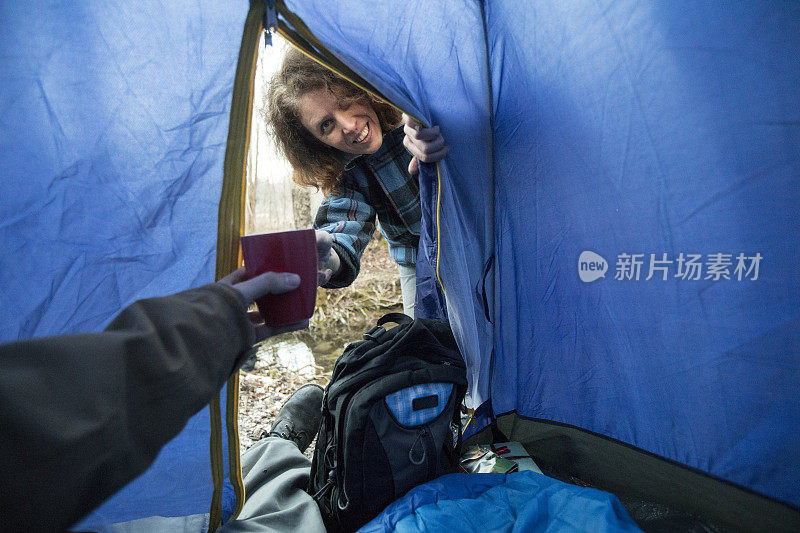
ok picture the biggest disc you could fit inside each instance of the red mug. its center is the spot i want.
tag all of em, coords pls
(285, 251)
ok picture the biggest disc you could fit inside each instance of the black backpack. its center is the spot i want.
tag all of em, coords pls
(390, 419)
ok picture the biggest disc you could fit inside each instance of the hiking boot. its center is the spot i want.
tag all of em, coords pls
(300, 417)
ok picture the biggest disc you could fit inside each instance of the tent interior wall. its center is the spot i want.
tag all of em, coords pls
(613, 238)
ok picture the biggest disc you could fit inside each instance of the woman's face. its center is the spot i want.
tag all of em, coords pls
(354, 130)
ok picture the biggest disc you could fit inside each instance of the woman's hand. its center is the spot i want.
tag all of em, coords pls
(425, 144)
(328, 262)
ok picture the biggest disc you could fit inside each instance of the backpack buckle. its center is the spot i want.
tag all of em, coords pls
(375, 334)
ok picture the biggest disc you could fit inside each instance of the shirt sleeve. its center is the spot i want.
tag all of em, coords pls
(350, 219)
(84, 414)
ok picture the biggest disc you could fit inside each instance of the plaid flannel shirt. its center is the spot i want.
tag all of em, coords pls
(373, 186)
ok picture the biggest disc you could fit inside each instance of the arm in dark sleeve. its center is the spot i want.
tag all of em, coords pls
(84, 414)
(350, 219)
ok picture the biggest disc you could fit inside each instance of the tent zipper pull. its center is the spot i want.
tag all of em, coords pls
(270, 21)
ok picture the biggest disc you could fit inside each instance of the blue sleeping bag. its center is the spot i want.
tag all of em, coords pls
(523, 501)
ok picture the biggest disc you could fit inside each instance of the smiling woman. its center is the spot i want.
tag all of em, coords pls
(302, 95)
(353, 129)
(348, 143)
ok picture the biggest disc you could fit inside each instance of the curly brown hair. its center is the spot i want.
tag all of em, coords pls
(314, 163)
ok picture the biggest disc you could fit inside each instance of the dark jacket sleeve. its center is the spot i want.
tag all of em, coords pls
(84, 414)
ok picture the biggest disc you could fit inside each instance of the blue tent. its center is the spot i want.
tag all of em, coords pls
(115, 134)
(613, 237)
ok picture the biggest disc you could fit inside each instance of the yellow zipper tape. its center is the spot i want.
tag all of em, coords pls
(230, 227)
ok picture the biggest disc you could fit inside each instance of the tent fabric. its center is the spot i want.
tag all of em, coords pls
(113, 132)
(115, 117)
(523, 501)
(653, 133)
(638, 163)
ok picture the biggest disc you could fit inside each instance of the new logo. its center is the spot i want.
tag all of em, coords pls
(591, 266)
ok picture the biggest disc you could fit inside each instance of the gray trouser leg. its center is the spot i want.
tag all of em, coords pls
(408, 288)
(275, 474)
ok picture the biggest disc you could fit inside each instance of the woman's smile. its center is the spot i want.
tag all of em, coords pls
(363, 134)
